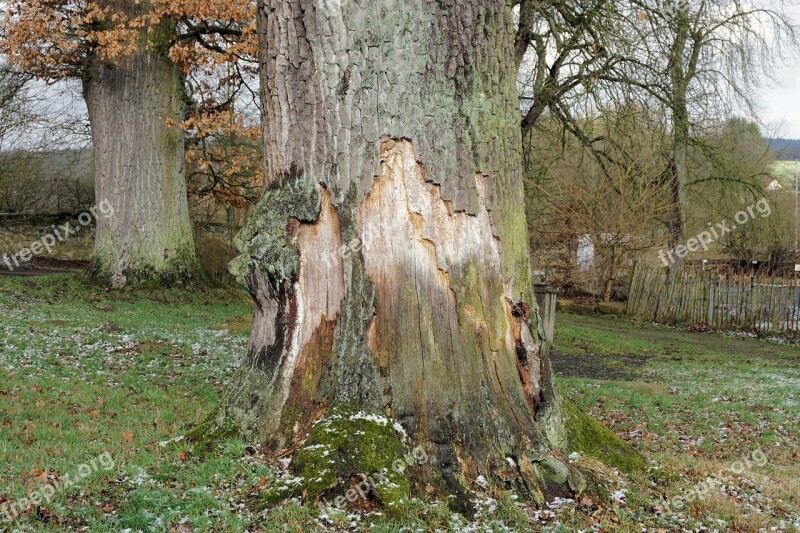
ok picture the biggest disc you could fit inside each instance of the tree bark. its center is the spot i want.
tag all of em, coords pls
(681, 70)
(389, 256)
(135, 109)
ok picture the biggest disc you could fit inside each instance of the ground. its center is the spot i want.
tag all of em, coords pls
(98, 389)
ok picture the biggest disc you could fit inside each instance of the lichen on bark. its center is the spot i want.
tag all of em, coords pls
(396, 280)
(266, 240)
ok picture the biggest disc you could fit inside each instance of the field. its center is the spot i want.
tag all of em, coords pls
(98, 389)
(785, 172)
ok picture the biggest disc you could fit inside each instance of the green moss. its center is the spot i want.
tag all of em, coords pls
(611, 308)
(587, 436)
(265, 239)
(237, 325)
(206, 435)
(348, 444)
(566, 306)
(182, 269)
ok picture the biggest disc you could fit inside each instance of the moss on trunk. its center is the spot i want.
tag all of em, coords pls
(389, 258)
(350, 451)
(587, 436)
(183, 268)
(136, 107)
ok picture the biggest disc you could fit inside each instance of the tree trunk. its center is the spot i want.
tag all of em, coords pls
(676, 175)
(388, 258)
(611, 274)
(680, 72)
(135, 109)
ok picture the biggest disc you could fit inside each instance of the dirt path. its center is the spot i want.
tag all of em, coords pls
(31, 273)
(588, 359)
(44, 267)
(599, 366)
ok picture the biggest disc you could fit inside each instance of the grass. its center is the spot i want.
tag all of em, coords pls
(696, 404)
(785, 171)
(90, 376)
(87, 372)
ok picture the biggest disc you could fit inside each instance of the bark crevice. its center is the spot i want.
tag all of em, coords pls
(135, 110)
(419, 237)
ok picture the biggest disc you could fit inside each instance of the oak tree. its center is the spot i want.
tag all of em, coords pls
(388, 259)
(133, 58)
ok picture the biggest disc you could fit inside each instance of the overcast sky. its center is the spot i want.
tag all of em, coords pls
(780, 110)
(781, 104)
(779, 101)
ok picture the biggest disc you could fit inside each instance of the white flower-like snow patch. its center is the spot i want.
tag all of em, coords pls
(380, 420)
(398, 427)
(164, 443)
(574, 456)
(619, 496)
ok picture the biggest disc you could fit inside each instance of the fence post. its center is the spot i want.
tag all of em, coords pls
(711, 291)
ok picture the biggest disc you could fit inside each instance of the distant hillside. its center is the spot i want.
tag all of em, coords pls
(786, 149)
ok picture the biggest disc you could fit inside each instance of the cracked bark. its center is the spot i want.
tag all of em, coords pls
(411, 294)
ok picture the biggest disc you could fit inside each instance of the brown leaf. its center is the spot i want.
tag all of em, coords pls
(39, 476)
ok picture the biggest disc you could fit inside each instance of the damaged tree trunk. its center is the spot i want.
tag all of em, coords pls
(388, 258)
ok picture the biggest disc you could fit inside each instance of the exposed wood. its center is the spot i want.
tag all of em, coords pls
(392, 135)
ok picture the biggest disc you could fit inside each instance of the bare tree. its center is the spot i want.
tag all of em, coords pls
(620, 205)
(16, 115)
(43, 157)
(562, 50)
(702, 61)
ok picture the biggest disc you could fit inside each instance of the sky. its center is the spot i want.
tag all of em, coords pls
(780, 101)
(781, 104)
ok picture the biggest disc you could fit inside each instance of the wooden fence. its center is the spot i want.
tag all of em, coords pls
(748, 302)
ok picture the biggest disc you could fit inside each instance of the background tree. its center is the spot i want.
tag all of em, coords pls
(133, 58)
(737, 172)
(15, 116)
(563, 51)
(703, 59)
(224, 152)
(695, 63)
(42, 162)
(619, 206)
